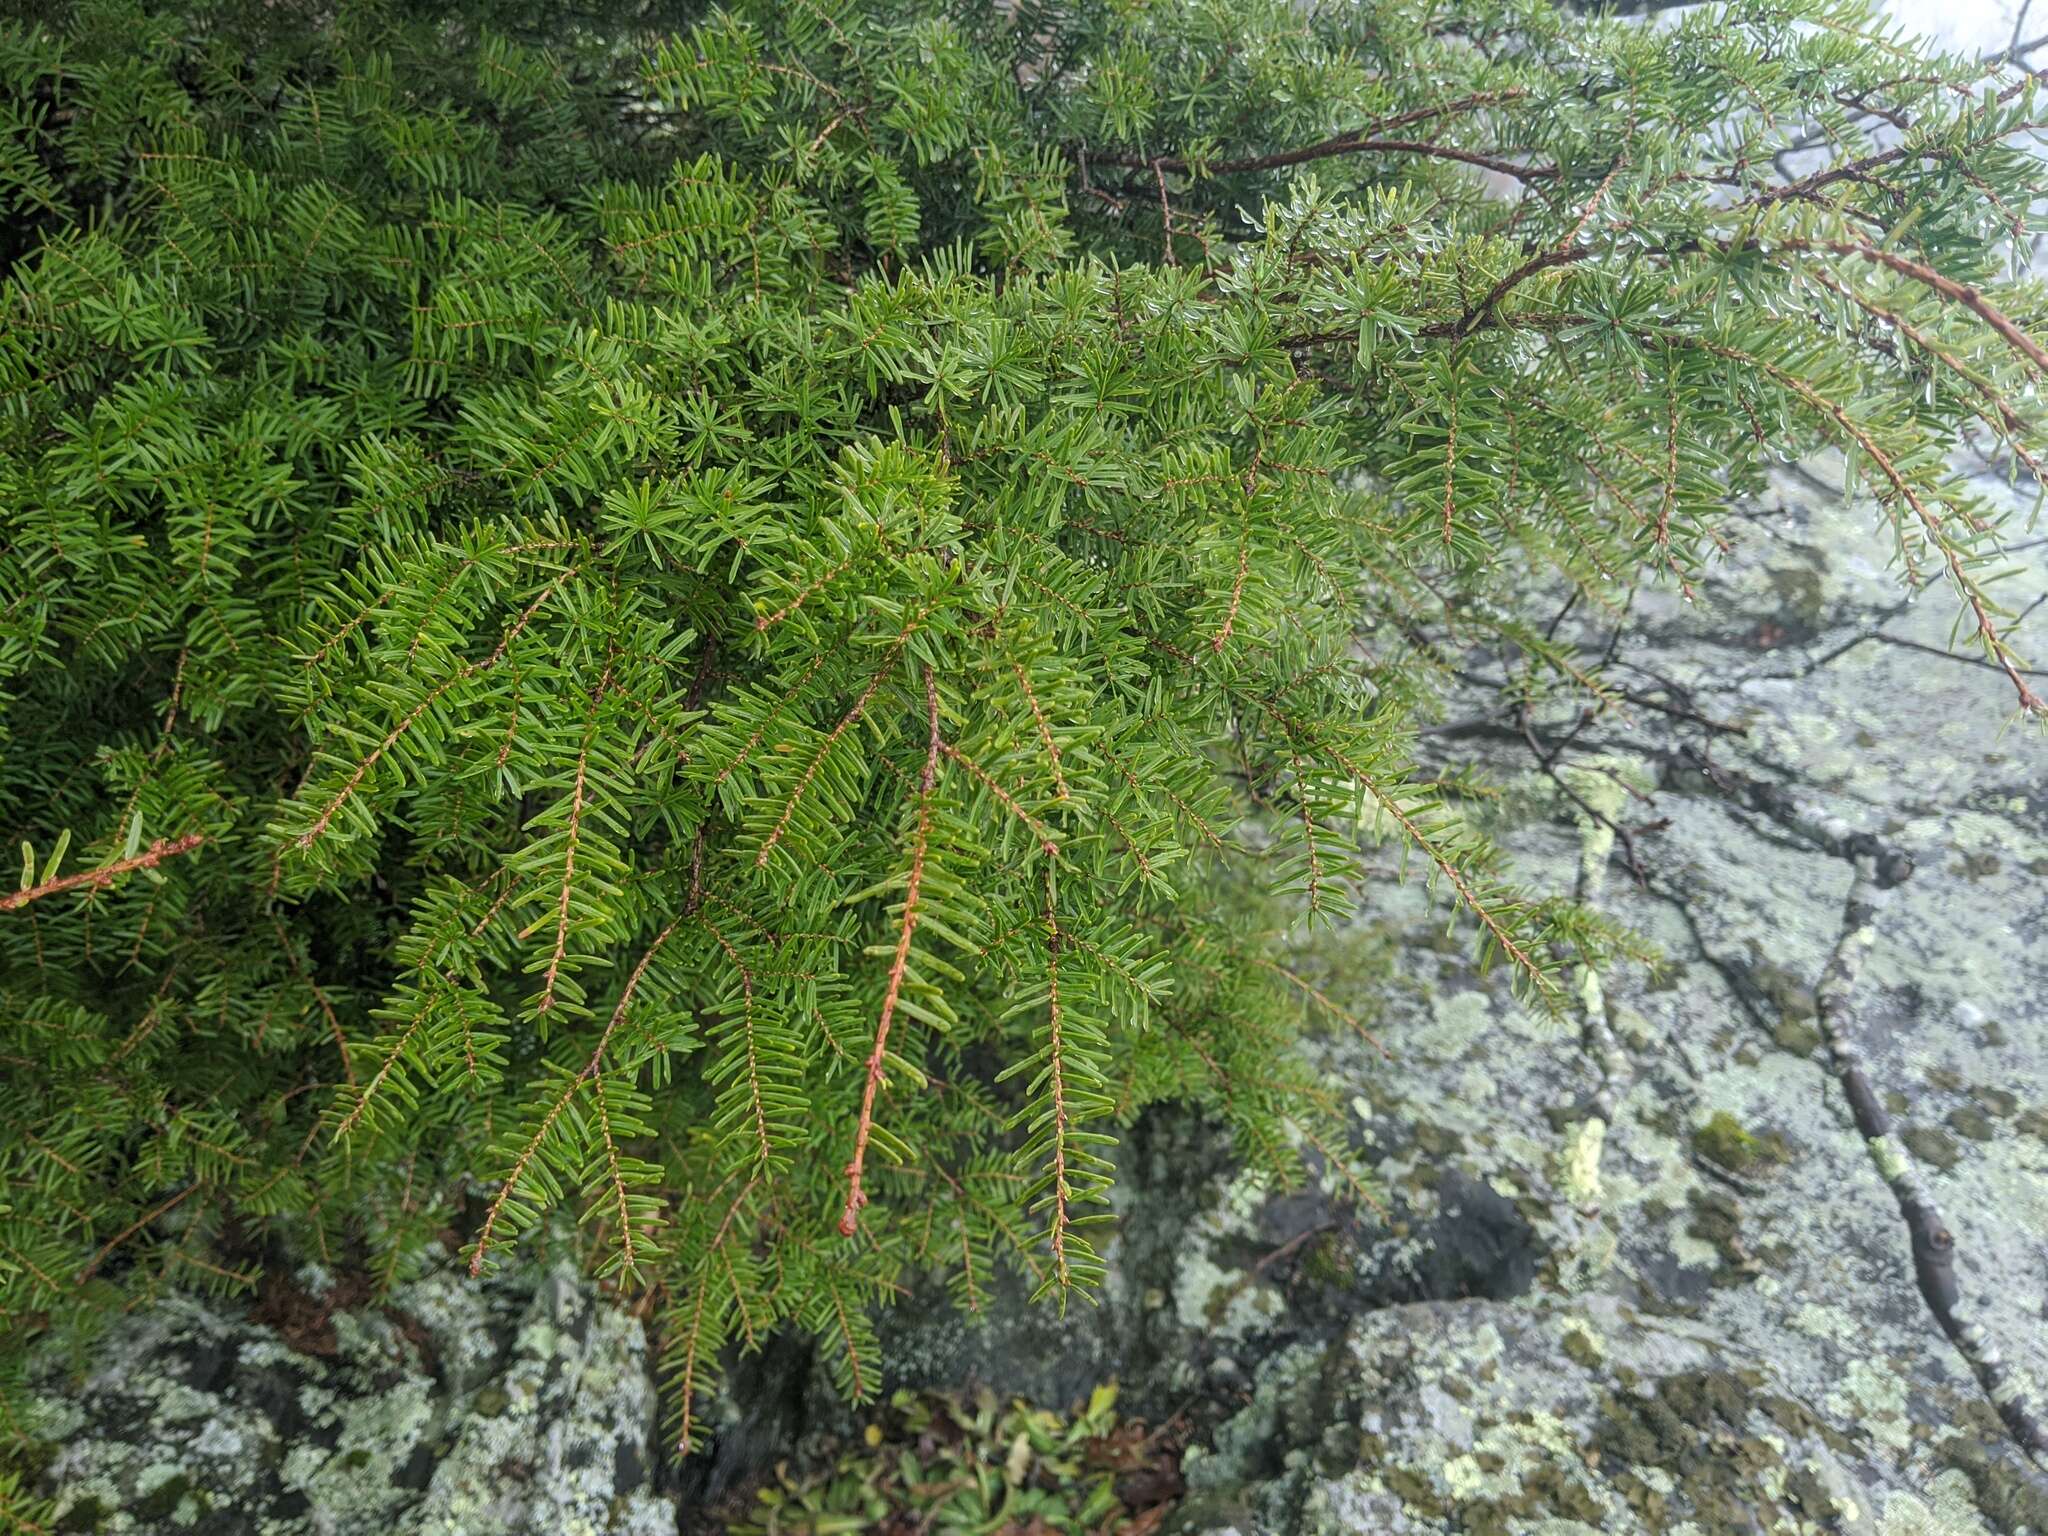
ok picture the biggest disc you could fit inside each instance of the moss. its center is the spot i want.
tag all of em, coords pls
(1725, 1141)
(1328, 1264)
(1971, 1122)
(1787, 988)
(1580, 1348)
(162, 1501)
(1650, 1502)
(1629, 1429)
(88, 1514)
(1694, 1429)
(1976, 866)
(1813, 1496)
(1652, 1305)
(1437, 1141)
(1717, 1221)
(2010, 1499)
(1549, 1492)
(1997, 1103)
(1800, 1422)
(1932, 1146)
(1416, 1491)
(1799, 1036)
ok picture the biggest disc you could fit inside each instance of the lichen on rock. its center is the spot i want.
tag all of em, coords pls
(518, 1404)
(1724, 1333)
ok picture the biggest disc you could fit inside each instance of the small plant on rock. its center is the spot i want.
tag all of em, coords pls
(957, 1466)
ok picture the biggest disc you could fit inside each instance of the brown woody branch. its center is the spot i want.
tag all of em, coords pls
(106, 874)
(1366, 140)
(1879, 869)
(1483, 312)
(2008, 423)
(1342, 144)
(1964, 294)
(92, 1265)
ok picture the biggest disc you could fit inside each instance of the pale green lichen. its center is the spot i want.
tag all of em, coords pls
(1592, 998)
(1830, 1323)
(1951, 1512)
(1579, 1162)
(1603, 783)
(1873, 1397)
(1890, 1157)
(1462, 1021)
(1817, 1347)
(1216, 1300)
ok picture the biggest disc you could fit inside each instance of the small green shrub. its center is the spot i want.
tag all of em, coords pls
(956, 1466)
(743, 621)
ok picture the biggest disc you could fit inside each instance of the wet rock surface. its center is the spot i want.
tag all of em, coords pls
(516, 1405)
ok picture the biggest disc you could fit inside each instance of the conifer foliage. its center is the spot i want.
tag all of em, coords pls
(721, 623)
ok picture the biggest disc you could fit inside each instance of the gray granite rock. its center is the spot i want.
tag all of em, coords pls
(1723, 1331)
(519, 1404)
(1475, 1417)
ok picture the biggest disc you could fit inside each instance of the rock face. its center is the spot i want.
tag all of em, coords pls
(1476, 1417)
(1721, 1331)
(517, 1405)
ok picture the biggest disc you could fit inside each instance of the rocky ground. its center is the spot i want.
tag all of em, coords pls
(1641, 1274)
(1704, 1315)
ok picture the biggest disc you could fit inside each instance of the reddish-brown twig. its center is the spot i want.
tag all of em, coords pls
(1055, 1056)
(1957, 293)
(135, 1226)
(1342, 145)
(856, 1197)
(106, 874)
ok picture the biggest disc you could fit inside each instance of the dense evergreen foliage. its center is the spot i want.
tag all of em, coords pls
(739, 623)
